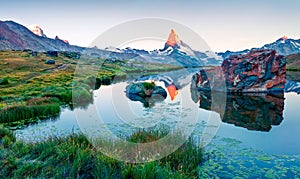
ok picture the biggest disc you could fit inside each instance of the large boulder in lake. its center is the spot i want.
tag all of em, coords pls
(257, 71)
(146, 93)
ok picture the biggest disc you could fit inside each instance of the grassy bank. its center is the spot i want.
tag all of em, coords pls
(33, 110)
(293, 69)
(75, 157)
(24, 77)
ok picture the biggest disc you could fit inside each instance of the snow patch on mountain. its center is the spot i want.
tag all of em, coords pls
(37, 30)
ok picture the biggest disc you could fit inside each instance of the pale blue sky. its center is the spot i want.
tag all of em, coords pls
(223, 24)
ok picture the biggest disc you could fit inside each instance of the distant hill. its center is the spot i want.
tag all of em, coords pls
(292, 86)
(283, 46)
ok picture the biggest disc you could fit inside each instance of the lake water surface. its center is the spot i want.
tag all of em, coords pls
(259, 124)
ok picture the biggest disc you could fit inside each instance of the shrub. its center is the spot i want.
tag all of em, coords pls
(24, 112)
(75, 157)
(81, 95)
(4, 81)
(148, 85)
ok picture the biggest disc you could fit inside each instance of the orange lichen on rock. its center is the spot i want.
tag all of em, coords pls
(276, 82)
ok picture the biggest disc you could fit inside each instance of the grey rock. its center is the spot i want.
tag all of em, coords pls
(50, 62)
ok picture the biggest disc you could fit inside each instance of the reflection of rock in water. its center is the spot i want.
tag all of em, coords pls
(146, 93)
(147, 101)
(252, 111)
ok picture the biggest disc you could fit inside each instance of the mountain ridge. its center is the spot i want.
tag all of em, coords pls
(283, 46)
(14, 36)
(175, 51)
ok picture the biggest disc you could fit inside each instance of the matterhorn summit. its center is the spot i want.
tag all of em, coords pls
(173, 39)
(37, 30)
(175, 45)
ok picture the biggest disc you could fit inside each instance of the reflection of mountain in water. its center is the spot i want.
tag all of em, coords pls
(171, 81)
(292, 86)
(146, 101)
(252, 111)
(180, 78)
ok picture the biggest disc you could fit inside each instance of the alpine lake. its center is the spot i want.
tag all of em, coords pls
(243, 135)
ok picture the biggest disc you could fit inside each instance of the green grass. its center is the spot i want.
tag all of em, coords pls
(24, 77)
(31, 111)
(75, 157)
(4, 81)
(293, 69)
(149, 85)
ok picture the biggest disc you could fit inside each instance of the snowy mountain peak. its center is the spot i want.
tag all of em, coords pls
(284, 38)
(175, 51)
(37, 30)
(173, 39)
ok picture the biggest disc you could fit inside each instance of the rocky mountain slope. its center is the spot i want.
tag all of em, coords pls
(14, 36)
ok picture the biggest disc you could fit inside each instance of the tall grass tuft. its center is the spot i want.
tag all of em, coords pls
(35, 108)
(75, 157)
